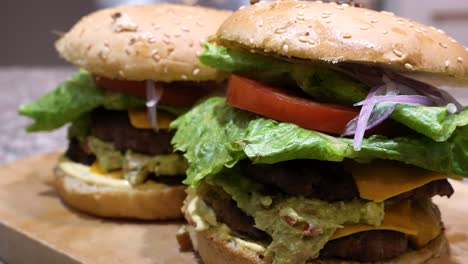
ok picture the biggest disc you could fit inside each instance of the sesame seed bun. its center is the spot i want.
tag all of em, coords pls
(339, 33)
(148, 203)
(156, 42)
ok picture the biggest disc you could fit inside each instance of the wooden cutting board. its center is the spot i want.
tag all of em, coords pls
(36, 227)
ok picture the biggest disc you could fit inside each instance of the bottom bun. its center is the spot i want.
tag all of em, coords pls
(212, 249)
(146, 203)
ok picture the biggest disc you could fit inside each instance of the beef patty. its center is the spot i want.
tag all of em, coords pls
(369, 246)
(327, 181)
(115, 127)
(77, 153)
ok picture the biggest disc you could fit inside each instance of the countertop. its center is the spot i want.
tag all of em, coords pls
(20, 85)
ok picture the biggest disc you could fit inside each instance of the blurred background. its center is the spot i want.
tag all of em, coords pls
(29, 65)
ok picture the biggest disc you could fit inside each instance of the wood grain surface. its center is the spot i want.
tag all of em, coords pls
(36, 227)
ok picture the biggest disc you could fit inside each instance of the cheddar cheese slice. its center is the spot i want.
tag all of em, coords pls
(420, 220)
(398, 217)
(381, 180)
(139, 119)
(118, 174)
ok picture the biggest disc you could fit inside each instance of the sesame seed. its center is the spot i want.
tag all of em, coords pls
(325, 15)
(328, 20)
(411, 25)
(409, 66)
(364, 27)
(347, 35)
(280, 31)
(326, 12)
(121, 73)
(167, 35)
(345, 5)
(398, 53)
(300, 13)
(443, 45)
(241, 7)
(185, 29)
(385, 32)
(441, 31)
(460, 60)
(339, 7)
(401, 23)
(157, 27)
(447, 64)
(151, 40)
(177, 35)
(127, 52)
(198, 53)
(156, 57)
(251, 40)
(453, 40)
(419, 30)
(260, 23)
(374, 21)
(302, 39)
(166, 40)
(423, 29)
(285, 48)
(387, 12)
(320, 2)
(196, 71)
(200, 23)
(184, 77)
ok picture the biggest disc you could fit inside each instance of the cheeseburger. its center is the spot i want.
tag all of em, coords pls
(139, 70)
(332, 141)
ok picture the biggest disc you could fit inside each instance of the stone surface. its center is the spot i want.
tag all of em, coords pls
(20, 85)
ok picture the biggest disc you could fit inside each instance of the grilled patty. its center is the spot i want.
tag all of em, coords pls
(369, 246)
(115, 127)
(77, 153)
(326, 181)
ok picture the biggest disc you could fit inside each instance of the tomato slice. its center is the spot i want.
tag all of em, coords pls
(179, 94)
(283, 106)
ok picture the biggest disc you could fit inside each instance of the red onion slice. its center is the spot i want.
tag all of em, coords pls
(153, 95)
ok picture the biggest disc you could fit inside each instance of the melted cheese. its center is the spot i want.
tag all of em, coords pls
(398, 217)
(94, 175)
(419, 220)
(381, 180)
(139, 119)
(118, 174)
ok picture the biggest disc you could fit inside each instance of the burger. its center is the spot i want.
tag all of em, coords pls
(332, 141)
(139, 70)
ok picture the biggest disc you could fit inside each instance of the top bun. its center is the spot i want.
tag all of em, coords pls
(340, 33)
(156, 42)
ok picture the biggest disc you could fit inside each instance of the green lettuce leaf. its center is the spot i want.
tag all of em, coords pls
(329, 86)
(215, 136)
(72, 99)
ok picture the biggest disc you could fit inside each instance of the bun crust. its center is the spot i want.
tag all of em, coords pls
(339, 33)
(156, 42)
(143, 204)
(214, 250)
